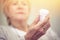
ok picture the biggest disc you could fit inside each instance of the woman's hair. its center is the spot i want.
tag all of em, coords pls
(6, 4)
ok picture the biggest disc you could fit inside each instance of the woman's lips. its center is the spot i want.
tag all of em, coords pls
(20, 12)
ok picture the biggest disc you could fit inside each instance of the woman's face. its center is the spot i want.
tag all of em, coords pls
(18, 10)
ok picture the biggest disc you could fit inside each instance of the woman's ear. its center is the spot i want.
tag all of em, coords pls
(8, 20)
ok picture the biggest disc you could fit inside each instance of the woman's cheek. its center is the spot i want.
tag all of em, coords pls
(26, 9)
(12, 8)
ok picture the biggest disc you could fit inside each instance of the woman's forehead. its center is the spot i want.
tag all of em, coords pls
(20, 1)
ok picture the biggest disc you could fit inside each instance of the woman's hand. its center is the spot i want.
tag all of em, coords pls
(38, 29)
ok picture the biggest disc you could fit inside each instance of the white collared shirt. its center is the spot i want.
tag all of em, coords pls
(50, 35)
(20, 33)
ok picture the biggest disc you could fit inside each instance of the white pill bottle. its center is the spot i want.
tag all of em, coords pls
(43, 13)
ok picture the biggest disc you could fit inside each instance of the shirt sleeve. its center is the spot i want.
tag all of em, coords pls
(2, 36)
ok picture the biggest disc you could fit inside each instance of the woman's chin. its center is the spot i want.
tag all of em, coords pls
(20, 18)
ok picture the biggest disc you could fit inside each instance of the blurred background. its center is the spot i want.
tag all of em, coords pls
(52, 5)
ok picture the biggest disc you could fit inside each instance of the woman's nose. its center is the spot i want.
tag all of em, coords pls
(20, 7)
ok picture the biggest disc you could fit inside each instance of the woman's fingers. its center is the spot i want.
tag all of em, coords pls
(41, 24)
(41, 31)
(46, 27)
(39, 27)
(36, 20)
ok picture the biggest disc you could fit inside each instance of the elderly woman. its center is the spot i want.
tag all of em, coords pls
(17, 13)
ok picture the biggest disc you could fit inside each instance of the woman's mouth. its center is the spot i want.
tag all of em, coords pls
(20, 12)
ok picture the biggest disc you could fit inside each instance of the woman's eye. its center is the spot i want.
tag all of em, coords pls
(24, 4)
(14, 3)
